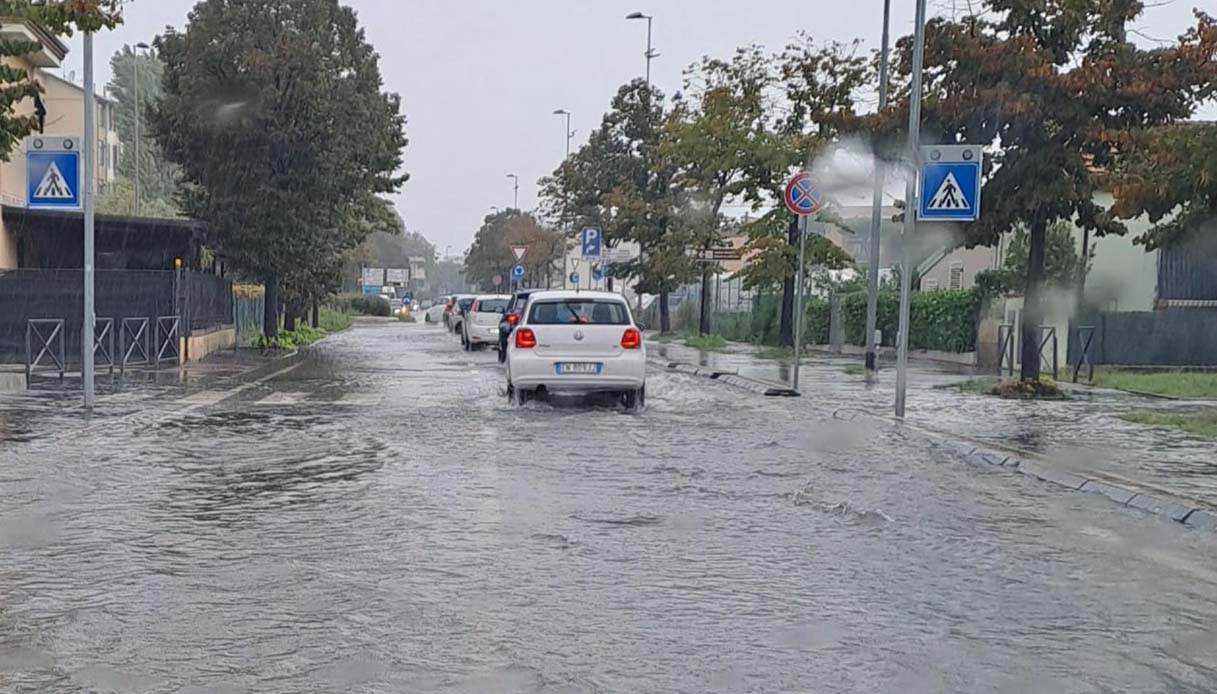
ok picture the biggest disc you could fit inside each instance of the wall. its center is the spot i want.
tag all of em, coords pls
(974, 261)
(1123, 276)
(200, 345)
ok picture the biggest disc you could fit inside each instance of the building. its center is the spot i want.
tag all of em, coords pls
(64, 104)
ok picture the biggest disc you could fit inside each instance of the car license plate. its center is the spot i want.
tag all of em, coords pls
(582, 368)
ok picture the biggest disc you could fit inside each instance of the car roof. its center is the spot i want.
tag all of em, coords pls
(485, 297)
(572, 294)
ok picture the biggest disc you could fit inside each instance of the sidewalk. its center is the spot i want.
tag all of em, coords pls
(1083, 434)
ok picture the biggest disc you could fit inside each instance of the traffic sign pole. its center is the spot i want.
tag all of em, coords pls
(88, 331)
(910, 216)
(873, 260)
(798, 302)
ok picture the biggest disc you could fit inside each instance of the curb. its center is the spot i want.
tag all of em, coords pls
(749, 384)
(1193, 513)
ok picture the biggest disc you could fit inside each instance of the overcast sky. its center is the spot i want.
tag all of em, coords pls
(479, 79)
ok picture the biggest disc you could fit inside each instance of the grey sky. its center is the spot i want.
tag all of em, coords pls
(479, 79)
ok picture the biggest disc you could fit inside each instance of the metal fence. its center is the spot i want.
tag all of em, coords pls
(59, 294)
(248, 313)
(1166, 337)
(207, 300)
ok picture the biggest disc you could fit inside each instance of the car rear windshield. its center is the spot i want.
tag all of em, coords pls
(492, 305)
(464, 304)
(582, 311)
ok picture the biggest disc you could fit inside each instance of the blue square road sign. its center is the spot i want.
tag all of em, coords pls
(52, 166)
(949, 185)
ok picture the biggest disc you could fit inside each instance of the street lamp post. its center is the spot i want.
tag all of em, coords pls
(564, 112)
(135, 141)
(650, 51)
(88, 330)
(873, 259)
(515, 191)
(649, 55)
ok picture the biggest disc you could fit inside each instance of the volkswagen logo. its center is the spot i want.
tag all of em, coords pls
(578, 334)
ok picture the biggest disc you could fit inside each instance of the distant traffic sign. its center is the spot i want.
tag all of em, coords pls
(802, 196)
(497, 279)
(517, 272)
(518, 252)
(52, 169)
(592, 242)
(574, 278)
(597, 272)
(949, 184)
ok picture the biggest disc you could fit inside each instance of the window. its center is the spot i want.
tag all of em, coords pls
(492, 306)
(930, 284)
(584, 311)
(956, 280)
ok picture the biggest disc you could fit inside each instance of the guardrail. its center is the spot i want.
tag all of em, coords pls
(47, 334)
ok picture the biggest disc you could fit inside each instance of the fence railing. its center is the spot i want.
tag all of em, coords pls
(47, 336)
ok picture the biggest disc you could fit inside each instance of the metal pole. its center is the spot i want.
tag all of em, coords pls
(798, 301)
(910, 210)
(568, 134)
(135, 141)
(876, 222)
(90, 151)
(649, 54)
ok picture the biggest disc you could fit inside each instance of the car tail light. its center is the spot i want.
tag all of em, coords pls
(513, 318)
(632, 339)
(525, 339)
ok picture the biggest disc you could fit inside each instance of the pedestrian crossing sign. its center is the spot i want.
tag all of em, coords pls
(52, 166)
(950, 184)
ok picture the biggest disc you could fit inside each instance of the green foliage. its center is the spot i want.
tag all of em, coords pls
(16, 83)
(707, 343)
(490, 253)
(332, 320)
(995, 283)
(364, 304)
(284, 138)
(118, 198)
(158, 177)
(1062, 261)
(939, 320)
(302, 336)
(1170, 176)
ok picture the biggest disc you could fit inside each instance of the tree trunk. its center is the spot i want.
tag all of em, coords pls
(1032, 314)
(786, 323)
(316, 319)
(665, 314)
(289, 316)
(270, 309)
(703, 323)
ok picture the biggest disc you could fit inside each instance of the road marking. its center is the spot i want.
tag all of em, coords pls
(252, 384)
(280, 398)
(204, 398)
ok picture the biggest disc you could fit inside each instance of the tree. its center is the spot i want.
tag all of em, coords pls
(620, 182)
(157, 176)
(119, 199)
(282, 133)
(1057, 85)
(1170, 176)
(490, 254)
(1062, 259)
(16, 83)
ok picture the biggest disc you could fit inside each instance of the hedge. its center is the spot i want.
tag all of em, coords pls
(943, 320)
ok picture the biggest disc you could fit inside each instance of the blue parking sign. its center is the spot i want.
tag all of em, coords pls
(592, 242)
(53, 179)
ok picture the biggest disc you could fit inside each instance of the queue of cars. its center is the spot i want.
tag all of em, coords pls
(555, 341)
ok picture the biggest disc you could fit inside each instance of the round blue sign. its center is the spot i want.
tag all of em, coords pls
(574, 278)
(517, 272)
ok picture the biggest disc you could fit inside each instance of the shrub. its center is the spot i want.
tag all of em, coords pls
(942, 320)
(366, 305)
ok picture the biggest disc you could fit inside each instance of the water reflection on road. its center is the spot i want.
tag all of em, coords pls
(381, 519)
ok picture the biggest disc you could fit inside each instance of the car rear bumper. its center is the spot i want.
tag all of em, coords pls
(625, 372)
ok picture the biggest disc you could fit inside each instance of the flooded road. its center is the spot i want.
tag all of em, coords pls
(380, 519)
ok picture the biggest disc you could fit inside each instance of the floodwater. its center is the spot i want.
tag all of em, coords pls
(380, 519)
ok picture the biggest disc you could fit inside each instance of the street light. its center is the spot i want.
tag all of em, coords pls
(141, 46)
(650, 51)
(569, 133)
(516, 190)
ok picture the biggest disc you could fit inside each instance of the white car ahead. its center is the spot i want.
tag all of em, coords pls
(481, 324)
(569, 341)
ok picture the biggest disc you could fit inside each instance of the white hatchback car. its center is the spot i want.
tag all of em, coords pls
(568, 341)
(481, 324)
